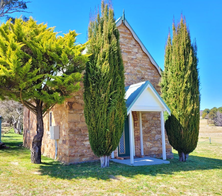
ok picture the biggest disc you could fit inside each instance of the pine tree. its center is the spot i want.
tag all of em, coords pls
(39, 69)
(105, 106)
(180, 90)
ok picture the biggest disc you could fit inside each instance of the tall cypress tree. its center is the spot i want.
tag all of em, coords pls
(180, 90)
(105, 106)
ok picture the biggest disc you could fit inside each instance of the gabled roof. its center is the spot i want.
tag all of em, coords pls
(135, 91)
(123, 20)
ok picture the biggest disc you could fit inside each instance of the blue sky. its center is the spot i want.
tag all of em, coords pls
(152, 21)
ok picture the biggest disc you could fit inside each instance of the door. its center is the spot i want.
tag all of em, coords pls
(124, 149)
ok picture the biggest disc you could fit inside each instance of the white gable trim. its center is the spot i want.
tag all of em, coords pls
(163, 107)
(160, 100)
(119, 22)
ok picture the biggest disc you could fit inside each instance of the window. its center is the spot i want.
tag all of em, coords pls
(50, 119)
(50, 122)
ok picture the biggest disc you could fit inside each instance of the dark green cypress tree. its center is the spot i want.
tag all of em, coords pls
(180, 90)
(105, 107)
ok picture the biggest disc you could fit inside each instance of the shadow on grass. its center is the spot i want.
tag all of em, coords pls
(55, 169)
(13, 141)
(93, 170)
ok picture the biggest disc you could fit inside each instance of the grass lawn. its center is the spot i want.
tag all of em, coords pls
(200, 175)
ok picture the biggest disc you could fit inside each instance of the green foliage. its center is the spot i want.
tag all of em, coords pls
(35, 69)
(34, 62)
(205, 112)
(180, 90)
(214, 116)
(105, 107)
(204, 115)
(220, 109)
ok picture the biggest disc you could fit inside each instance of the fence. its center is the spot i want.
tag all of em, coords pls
(211, 140)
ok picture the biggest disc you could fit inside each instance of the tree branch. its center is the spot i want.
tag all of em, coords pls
(12, 6)
(46, 112)
(30, 106)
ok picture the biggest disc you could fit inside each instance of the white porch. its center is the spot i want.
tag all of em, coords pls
(142, 97)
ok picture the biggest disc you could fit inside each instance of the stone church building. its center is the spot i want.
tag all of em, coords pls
(144, 132)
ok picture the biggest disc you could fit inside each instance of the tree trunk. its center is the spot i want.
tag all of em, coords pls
(14, 127)
(19, 126)
(14, 124)
(104, 160)
(183, 157)
(37, 140)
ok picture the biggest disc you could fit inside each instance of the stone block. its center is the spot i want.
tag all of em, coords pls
(63, 141)
(82, 118)
(86, 143)
(158, 137)
(73, 117)
(76, 131)
(77, 106)
(124, 57)
(154, 149)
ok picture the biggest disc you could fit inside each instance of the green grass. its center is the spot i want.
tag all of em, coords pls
(200, 175)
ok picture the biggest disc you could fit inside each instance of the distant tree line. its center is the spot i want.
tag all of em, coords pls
(213, 116)
(12, 114)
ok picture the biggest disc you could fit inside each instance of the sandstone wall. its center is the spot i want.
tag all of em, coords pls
(29, 125)
(152, 139)
(138, 68)
(73, 145)
(59, 118)
(137, 65)
(78, 142)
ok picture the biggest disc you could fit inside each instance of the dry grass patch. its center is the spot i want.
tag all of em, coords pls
(208, 131)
